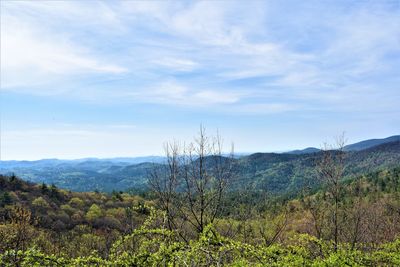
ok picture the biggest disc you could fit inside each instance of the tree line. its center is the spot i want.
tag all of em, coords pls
(193, 216)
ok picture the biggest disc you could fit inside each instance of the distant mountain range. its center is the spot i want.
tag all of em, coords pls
(275, 172)
(371, 143)
(353, 147)
(307, 150)
(47, 162)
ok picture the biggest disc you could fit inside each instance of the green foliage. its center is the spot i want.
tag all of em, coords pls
(93, 213)
(76, 202)
(94, 229)
(40, 202)
(159, 247)
(5, 199)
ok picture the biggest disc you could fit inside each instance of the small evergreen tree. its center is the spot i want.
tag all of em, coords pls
(5, 199)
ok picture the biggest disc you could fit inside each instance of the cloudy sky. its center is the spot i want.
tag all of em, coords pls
(106, 79)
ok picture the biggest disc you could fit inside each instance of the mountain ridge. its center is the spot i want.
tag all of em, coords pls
(371, 143)
(361, 145)
(276, 172)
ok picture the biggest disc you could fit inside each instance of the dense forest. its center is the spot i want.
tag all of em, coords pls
(203, 208)
(275, 172)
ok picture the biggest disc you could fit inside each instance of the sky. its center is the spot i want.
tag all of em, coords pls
(112, 79)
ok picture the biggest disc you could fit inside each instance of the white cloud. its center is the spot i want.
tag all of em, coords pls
(85, 14)
(217, 97)
(176, 64)
(199, 48)
(264, 108)
(173, 93)
(34, 55)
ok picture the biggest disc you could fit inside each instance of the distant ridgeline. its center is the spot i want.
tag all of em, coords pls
(279, 173)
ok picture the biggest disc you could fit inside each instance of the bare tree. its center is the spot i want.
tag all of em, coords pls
(331, 169)
(314, 204)
(278, 226)
(164, 182)
(355, 213)
(192, 184)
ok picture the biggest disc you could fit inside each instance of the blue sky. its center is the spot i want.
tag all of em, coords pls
(107, 79)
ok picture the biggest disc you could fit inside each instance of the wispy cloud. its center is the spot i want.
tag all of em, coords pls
(33, 54)
(264, 108)
(203, 54)
(177, 64)
(174, 93)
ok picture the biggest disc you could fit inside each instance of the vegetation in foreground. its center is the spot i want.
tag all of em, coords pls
(192, 218)
(46, 226)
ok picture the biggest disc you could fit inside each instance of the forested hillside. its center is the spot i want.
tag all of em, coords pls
(53, 227)
(196, 212)
(283, 173)
(288, 173)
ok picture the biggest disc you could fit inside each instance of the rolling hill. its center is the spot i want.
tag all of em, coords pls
(371, 143)
(274, 172)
